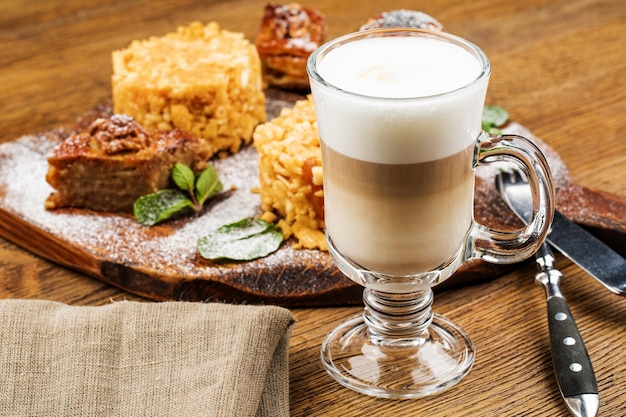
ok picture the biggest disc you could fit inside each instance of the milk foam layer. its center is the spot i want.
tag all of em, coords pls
(399, 67)
(383, 121)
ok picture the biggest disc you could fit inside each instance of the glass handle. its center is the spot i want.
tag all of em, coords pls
(503, 247)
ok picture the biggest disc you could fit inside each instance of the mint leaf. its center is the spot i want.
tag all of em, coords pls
(207, 185)
(183, 176)
(194, 191)
(247, 239)
(494, 117)
(244, 228)
(161, 205)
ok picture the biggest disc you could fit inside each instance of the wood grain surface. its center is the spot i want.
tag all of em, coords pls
(557, 67)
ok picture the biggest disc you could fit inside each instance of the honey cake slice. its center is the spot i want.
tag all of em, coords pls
(116, 161)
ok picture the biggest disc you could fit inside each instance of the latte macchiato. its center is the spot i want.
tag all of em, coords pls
(398, 132)
(399, 115)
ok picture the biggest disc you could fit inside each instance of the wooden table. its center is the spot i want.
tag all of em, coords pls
(558, 67)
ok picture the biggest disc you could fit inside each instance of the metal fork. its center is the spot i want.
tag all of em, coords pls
(572, 366)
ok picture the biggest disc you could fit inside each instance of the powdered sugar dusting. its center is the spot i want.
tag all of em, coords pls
(560, 174)
(118, 237)
(134, 256)
(165, 252)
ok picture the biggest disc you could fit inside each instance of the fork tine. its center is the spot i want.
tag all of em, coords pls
(519, 177)
(512, 185)
(513, 176)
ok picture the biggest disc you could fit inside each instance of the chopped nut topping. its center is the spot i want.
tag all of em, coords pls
(291, 21)
(120, 133)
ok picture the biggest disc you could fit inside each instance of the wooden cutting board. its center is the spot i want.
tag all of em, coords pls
(161, 262)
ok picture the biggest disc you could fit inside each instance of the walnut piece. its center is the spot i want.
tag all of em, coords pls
(119, 133)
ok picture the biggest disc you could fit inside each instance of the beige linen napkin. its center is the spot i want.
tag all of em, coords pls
(143, 359)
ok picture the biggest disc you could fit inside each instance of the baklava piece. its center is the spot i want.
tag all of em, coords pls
(403, 19)
(201, 79)
(116, 161)
(288, 35)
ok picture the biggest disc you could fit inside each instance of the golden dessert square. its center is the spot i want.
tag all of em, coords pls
(200, 79)
(290, 174)
(116, 161)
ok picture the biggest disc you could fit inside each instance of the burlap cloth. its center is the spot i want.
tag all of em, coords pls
(143, 359)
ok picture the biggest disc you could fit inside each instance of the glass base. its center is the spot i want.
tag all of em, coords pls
(399, 368)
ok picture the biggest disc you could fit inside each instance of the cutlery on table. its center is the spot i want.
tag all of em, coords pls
(581, 247)
(572, 366)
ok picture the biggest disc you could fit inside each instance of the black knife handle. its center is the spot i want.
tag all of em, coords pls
(572, 366)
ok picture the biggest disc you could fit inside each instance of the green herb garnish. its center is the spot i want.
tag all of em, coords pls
(194, 191)
(247, 239)
(493, 118)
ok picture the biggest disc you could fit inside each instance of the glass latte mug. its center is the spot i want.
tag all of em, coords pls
(399, 113)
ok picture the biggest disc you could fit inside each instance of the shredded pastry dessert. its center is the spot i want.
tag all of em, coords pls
(116, 161)
(288, 35)
(290, 168)
(201, 79)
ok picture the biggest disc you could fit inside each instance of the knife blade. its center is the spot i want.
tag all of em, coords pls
(581, 247)
(589, 253)
(572, 367)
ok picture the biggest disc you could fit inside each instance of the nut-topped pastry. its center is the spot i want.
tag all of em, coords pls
(288, 35)
(115, 161)
(403, 18)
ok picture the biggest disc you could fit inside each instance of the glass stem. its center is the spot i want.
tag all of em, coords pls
(398, 319)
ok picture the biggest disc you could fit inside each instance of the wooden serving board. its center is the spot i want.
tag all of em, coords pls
(161, 262)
